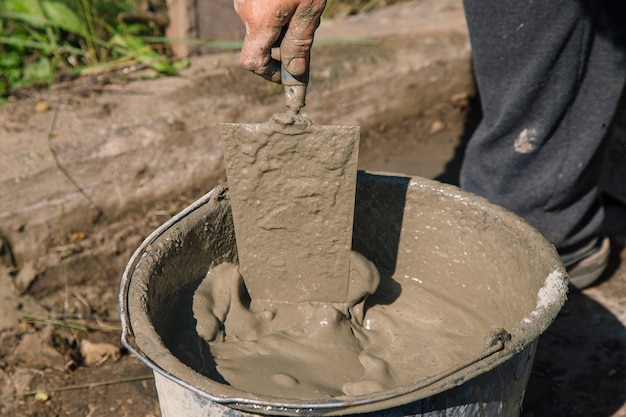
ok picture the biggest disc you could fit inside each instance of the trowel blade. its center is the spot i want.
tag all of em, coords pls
(292, 190)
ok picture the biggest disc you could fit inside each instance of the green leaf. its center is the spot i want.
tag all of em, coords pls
(128, 42)
(13, 74)
(26, 43)
(38, 21)
(164, 67)
(3, 88)
(38, 71)
(60, 15)
(27, 7)
(136, 28)
(157, 62)
(181, 64)
(10, 59)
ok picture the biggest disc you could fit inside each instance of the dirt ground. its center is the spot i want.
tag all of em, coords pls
(89, 168)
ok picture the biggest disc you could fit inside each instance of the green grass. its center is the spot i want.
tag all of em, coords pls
(42, 39)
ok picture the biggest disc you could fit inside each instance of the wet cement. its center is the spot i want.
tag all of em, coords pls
(324, 350)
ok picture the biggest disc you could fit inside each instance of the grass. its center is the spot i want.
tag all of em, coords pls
(41, 40)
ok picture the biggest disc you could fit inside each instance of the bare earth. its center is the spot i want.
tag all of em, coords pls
(90, 167)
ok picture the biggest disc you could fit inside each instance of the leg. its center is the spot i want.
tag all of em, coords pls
(549, 77)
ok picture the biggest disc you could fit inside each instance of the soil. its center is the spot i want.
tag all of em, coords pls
(91, 166)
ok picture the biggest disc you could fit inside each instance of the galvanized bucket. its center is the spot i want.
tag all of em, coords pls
(486, 246)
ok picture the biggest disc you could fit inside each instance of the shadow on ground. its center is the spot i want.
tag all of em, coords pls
(580, 362)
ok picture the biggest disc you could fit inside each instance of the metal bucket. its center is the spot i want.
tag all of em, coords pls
(400, 224)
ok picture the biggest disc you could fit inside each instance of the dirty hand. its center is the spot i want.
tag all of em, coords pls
(290, 24)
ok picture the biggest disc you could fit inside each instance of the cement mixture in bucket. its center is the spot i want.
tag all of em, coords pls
(322, 350)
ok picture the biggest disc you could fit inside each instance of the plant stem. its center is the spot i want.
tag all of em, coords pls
(76, 326)
(62, 323)
(81, 386)
(88, 14)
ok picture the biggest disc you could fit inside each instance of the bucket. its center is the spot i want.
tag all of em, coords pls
(431, 235)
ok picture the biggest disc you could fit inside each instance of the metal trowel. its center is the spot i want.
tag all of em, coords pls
(292, 189)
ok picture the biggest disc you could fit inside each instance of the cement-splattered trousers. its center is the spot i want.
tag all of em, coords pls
(550, 74)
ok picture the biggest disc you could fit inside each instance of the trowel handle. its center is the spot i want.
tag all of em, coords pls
(295, 87)
(295, 90)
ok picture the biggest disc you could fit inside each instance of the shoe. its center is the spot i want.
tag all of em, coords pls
(586, 268)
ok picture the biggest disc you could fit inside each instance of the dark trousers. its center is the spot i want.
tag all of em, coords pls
(550, 74)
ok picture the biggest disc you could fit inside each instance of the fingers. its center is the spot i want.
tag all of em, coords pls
(265, 20)
(262, 31)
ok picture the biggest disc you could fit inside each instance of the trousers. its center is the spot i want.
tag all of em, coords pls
(550, 74)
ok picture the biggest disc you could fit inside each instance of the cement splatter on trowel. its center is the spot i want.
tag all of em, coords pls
(292, 189)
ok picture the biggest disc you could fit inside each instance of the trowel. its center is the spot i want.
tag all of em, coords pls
(292, 188)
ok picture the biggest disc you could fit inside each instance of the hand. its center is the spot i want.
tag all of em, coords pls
(290, 24)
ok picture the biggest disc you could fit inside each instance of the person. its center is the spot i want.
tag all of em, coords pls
(549, 75)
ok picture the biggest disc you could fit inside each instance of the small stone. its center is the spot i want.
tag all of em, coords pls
(98, 353)
(42, 396)
(25, 277)
(460, 99)
(78, 236)
(436, 127)
(42, 107)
